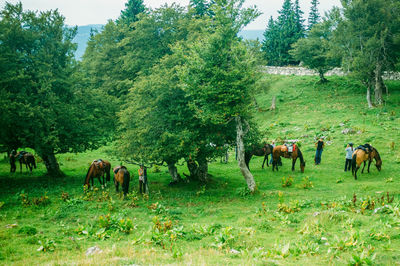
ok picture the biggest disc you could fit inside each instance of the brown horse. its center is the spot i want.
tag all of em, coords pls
(282, 150)
(264, 151)
(97, 169)
(121, 176)
(26, 158)
(360, 156)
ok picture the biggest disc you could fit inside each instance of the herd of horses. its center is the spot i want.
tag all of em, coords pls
(101, 169)
(362, 154)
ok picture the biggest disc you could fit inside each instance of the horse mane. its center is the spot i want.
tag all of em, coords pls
(378, 157)
(300, 156)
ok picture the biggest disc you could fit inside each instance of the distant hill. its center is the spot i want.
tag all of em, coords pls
(83, 35)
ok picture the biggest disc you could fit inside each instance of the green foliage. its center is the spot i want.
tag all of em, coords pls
(287, 181)
(130, 14)
(47, 245)
(313, 17)
(315, 50)
(282, 33)
(41, 98)
(28, 230)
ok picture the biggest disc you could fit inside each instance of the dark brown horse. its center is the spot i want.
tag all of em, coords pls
(26, 158)
(282, 150)
(121, 176)
(360, 156)
(97, 169)
(263, 151)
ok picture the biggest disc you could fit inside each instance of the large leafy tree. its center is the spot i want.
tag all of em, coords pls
(41, 106)
(368, 38)
(282, 33)
(220, 86)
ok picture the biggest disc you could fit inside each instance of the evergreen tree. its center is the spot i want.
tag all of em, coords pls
(130, 14)
(299, 20)
(313, 17)
(282, 33)
(202, 7)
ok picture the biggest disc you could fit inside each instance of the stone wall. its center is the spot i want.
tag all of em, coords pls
(302, 71)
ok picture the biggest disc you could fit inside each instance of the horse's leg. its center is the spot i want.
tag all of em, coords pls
(355, 172)
(116, 184)
(362, 171)
(293, 163)
(369, 164)
(265, 158)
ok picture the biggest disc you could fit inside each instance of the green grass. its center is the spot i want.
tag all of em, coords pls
(220, 223)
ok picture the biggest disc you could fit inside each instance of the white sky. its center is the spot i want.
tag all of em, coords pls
(84, 12)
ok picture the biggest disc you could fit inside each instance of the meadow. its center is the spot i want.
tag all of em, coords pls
(322, 216)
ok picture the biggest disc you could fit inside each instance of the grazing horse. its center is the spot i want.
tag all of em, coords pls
(282, 150)
(26, 158)
(97, 169)
(264, 151)
(360, 156)
(121, 176)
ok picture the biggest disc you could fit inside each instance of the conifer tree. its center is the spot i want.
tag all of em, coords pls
(314, 16)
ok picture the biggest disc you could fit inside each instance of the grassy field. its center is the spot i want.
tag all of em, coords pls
(323, 217)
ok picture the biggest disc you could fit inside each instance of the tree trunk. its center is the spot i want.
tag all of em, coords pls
(322, 79)
(173, 171)
(369, 95)
(378, 84)
(52, 166)
(273, 104)
(251, 184)
(202, 172)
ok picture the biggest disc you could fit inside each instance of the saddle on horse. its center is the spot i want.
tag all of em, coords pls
(366, 147)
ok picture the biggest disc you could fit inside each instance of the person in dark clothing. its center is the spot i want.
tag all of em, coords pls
(12, 161)
(142, 185)
(320, 147)
(349, 154)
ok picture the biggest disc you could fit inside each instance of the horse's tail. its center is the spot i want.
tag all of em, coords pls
(108, 169)
(88, 175)
(125, 185)
(300, 155)
(353, 162)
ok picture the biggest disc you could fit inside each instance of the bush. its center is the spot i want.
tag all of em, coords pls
(287, 181)
(28, 230)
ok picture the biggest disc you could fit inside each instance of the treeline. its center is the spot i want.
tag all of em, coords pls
(362, 37)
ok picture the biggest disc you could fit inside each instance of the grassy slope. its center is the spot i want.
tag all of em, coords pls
(305, 109)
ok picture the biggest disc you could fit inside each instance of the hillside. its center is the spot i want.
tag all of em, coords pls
(334, 220)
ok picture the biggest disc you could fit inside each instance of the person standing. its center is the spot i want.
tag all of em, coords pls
(320, 147)
(142, 185)
(349, 153)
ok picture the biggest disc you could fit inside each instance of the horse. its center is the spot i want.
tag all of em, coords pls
(121, 176)
(97, 169)
(26, 158)
(360, 156)
(282, 150)
(264, 151)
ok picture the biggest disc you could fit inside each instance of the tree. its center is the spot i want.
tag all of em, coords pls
(367, 37)
(202, 7)
(220, 86)
(313, 17)
(315, 51)
(130, 14)
(282, 33)
(41, 105)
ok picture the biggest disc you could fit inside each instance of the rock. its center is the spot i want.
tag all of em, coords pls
(234, 251)
(341, 124)
(8, 226)
(93, 250)
(347, 131)
(316, 214)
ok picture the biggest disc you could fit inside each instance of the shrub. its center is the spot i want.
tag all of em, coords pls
(287, 181)
(46, 245)
(28, 230)
(307, 183)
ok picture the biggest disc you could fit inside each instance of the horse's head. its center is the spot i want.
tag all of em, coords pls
(302, 166)
(378, 164)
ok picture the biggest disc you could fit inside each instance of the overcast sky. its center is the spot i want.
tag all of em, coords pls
(84, 12)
